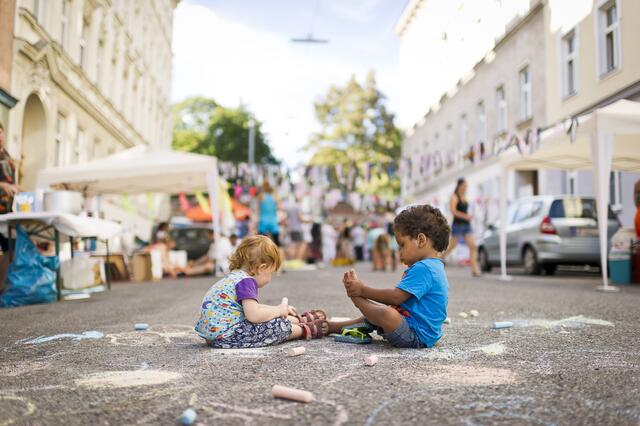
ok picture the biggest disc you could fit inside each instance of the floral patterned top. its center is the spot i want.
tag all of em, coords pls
(221, 310)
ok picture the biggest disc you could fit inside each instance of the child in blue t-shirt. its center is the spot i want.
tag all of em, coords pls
(412, 313)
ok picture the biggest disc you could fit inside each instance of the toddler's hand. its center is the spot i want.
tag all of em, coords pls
(293, 311)
(283, 309)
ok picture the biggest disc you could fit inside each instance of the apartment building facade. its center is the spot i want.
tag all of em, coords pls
(498, 105)
(592, 58)
(7, 101)
(92, 78)
(558, 61)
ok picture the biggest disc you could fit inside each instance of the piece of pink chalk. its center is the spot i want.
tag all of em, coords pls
(296, 351)
(371, 360)
(291, 393)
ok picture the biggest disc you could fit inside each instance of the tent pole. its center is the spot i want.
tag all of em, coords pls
(212, 183)
(503, 225)
(602, 156)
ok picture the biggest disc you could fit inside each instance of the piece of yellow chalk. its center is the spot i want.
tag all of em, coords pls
(291, 393)
(296, 351)
(371, 360)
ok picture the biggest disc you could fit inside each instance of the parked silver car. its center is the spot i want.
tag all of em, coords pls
(546, 231)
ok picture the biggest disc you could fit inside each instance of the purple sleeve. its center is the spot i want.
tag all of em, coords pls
(247, 289)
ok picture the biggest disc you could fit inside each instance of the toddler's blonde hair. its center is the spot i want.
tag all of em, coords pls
(254, 251)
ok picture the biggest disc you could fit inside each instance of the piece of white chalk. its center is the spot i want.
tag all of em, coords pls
(463, 315)
(140, 326)
(291, 393)
(371, 360)
(501, 324)
(474, 313)
(296, 351)
(447, 320)
(285, 300)
(188, 417)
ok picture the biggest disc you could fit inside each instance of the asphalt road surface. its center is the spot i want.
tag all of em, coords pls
(573, 357)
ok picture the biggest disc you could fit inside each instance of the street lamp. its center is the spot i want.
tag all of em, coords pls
(252, 142)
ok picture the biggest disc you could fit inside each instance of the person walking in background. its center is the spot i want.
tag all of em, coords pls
(268, 214)
(345, 251)
(358, 235)
(315, 248)
(394, 249)
(329, 240)
(297, 245)
(461, 225)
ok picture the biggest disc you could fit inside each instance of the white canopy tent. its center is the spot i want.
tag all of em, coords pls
(140, 170)
(605, 139)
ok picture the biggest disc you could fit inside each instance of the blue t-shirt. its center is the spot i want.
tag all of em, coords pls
(427, 283)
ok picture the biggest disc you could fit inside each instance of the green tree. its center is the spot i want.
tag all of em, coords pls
(191, 122)
(357, 129)
(229, 135)
(203, 126)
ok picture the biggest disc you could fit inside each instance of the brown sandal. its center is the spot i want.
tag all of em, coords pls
(314, 315)
(314, 329)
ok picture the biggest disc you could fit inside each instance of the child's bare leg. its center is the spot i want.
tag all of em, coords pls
(293, 320)
(381, 315)
(296, 332)
(336, 326)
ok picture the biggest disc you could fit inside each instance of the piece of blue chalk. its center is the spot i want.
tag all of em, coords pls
(188, 417)
(501, 324)
(140, 326)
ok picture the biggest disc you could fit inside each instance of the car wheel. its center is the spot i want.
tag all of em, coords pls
(483, 259)
(530, 261)
(550, 269)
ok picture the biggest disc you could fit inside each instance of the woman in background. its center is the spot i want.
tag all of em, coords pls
(268, 214)
(461, 225)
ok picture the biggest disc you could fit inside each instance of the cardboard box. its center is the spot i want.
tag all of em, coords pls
(147, 266)
(141, 263)
(116, 267)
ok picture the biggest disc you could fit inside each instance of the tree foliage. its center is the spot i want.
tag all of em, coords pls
(203, 126)
(357, 129)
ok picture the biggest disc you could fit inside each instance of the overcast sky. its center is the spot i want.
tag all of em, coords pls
(240, 51)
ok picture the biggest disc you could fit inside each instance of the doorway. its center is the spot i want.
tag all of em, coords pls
(33, 155)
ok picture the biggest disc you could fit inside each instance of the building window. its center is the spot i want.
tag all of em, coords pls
(83, 44)
(525, 94)
(38, 10)
(449, 138)
(569, 64)
(482, 123)
(608, 37)
(501, 110)
(64, 24)
(96, 149)
(125, 88)
(464, 131)
(80, 149)
(99, 57)
(60, 147)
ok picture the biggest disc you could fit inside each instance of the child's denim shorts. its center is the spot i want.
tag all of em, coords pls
(403, 337)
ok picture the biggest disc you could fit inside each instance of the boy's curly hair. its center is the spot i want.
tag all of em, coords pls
(427, 220)
(254, 251)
